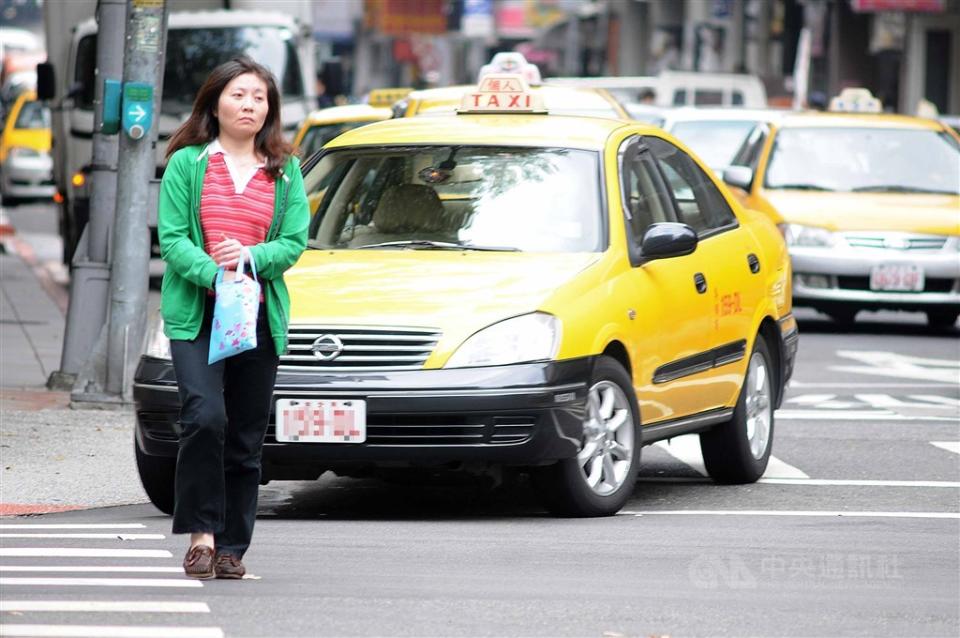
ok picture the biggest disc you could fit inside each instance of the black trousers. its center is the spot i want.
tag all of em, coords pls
(224, 410)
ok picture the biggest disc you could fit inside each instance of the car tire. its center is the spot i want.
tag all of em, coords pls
(157, 475)
(737, 451)
(600, 479)
(942, 319)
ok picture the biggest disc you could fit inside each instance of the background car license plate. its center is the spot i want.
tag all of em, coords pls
(321, 421)
(903, 277)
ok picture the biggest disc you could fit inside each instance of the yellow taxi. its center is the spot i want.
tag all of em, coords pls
(26, 168)
(869, 204)
(322, 126)
(505, 289)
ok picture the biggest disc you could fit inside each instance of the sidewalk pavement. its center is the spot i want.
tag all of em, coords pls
(52, 457)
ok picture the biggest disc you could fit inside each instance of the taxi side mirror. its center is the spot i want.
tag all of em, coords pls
(739, 176)
(668, 239)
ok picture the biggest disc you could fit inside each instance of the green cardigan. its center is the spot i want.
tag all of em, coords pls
(190, 271)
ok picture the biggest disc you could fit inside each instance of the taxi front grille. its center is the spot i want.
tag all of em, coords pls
(930, 284)
(897, 241)
(353, 349)
(443, 429)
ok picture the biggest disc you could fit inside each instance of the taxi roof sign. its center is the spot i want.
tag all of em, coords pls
(855, 100)
(386, 97)
(502, 93)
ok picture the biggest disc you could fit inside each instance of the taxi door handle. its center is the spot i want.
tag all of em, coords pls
(701, 282)
(754, 263)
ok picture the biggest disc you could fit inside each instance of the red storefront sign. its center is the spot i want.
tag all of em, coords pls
(405, 17)
(924, 6)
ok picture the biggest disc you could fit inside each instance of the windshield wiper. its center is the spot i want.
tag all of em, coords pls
(898, 188)
(426, 244)
(802, 187)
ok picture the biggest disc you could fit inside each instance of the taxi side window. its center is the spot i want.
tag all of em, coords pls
(699, 203)
(646, 201)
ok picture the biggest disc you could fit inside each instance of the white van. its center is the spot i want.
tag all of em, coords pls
(680, 88)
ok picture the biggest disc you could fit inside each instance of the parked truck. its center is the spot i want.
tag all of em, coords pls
(198, 39)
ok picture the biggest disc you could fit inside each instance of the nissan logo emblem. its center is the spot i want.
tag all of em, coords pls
(327, 347)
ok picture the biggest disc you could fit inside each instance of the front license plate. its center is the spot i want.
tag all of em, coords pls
(321, 421)
(897, 277)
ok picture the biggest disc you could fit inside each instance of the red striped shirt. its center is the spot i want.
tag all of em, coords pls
(244, 216)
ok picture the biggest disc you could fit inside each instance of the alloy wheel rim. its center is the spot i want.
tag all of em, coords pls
(608, 439)
(759, 405)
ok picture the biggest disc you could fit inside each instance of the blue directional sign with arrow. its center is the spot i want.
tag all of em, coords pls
(137, 108)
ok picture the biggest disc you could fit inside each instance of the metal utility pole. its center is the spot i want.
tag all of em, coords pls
(90, 279)
(129, 282)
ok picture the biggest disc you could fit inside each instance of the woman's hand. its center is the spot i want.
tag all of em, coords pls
(227, 253)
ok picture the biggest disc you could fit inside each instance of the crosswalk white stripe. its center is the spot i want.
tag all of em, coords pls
(936, 398)
(122, 537)
(100, 582)
(686, 449)
(84, 552)
(88, 568)
(855, 415)
(108, 631)
(949, 446)
(879, 384)
(858, 482)
(827, 514)
(780, 469)
(136, 606)
(812, 399)
(72, 525)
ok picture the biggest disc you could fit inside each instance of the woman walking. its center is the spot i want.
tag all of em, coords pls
(232, 192)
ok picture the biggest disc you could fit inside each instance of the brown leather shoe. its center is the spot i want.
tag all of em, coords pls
(228, 566)
(198, 563)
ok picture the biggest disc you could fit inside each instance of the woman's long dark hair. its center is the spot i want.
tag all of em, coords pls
(202, 126)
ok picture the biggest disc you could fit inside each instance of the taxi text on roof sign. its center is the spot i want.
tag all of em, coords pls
(502, 93)
(855, 100)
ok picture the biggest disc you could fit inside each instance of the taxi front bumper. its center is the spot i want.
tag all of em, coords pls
(825, 277)
(524, 414)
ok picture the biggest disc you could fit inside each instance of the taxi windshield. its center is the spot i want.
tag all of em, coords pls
(715, 141)
(457, 198)
(316, 136)
(864, 160)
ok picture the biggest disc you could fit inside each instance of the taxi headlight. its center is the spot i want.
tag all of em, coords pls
(533, 337)
(158, 346)
(798, 235)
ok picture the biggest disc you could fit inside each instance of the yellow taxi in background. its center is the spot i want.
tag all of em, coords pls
(503, 288)
(322, 126)
(869, 204)
(26, 168)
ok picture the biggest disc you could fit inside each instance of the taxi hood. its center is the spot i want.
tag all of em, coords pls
(900, 212)
(458, 292)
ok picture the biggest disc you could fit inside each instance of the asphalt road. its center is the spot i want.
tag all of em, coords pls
(854, 531)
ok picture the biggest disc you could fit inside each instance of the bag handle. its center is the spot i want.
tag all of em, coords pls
(245, 255)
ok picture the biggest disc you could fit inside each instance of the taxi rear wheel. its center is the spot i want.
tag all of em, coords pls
(157, 475)
(600, 479)
(737, 451)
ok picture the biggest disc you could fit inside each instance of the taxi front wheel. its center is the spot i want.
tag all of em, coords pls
(600, 479)
(737, 451)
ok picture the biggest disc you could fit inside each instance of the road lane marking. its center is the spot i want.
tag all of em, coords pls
(135, 606)
(859, 482)
(122, 537)
(891, 364)
(879, 384)
(72, 526)
(686, 449)
(89, 568)
(84, 552)
(949, 446)
(936, 398)
(108, 631)
(886, 401)
(100, 582)
(856, 415)
(806, 513)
